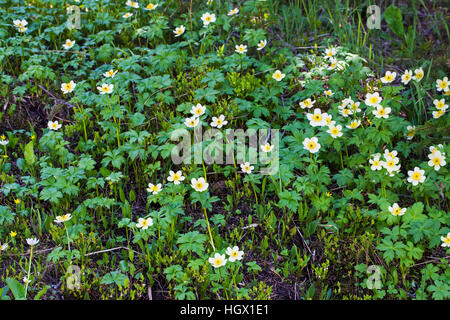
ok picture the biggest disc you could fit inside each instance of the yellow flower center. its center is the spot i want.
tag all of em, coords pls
(416, 176)
(311, 145)
(317, 117)
(334, 131)
(436, 160)
(199, 185)
(218, 262)
(373, 100)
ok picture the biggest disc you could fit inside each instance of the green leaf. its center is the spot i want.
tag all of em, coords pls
(17, 288)
(394, 19)
(30, 158)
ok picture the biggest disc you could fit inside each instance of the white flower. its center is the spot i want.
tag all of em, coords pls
(241, 48)
(132, 4)
(418, 74)
(354, 124)
(3, 141)
(406, 77)
(328, 93)
(127, 15)
(68, 87)
(26, 280)
(389, 77)
(53, 125)
(390, 154)
(442, 85)
(208, 18)
(175, 177)
(32, 241)
(154, 189)
(63, 218)
(437, 114)
(191, 122)
(4, 246)
(277, 75)
(69, 44)
(373, 99)
(179, 31)
(335, 131)
(246, 168)
(328, 119)
(417, 176)
(376, 163)
(446, 240)
(266, 147)
(199, 184)
(330, 52)
(106, 88)
(20, 23)
(218, 260)
(307, 103)
(218, 122)
(391, 165)
(440, 104)
(151, 6)
(233, 12)
(261, 45)
(410, 132)
(234, 254)
(110, 74)
(198, 110)
(396, 210)
(437, 159)
(312, 145)
(354, 106)
(144, 223)
(381, 112)
(317, 119)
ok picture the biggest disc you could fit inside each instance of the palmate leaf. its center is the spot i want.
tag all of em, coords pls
(192, 242)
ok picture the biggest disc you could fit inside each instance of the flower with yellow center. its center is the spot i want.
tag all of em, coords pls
(261, 44)
(241, 49)
(233, 12)
(354, 124)
(63, 218)
(446, 240)
(144, 223)
(199, 184)
(127, 15)
(110, 74)
(335, 131)
(151, 6)
(246, 167)
(317, 119)
(218, 260)
(440, 104)
(266, 147)
(410, 132)
(68, 87)
(437, 159)
(278, 76)
(373, 99)
(381, 112)
(234, 254)
(106, 88)
(191, 122)
(330, 52)
(406, 77)
(396, 210)
(437, 114)
(418, 74)
(53, 125)
(312, 145)
(416, 176)
(389, 77)
(175, 177)
(218, 122)
(376, 163)
(132, 4)
(69, 44)
(442, 85)
(307, 103)
(208, 18)
(20, 23)
(328, 93)
(179, 30)
(154, 189)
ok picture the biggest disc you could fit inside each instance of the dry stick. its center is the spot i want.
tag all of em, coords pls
(55, 98)
(303, 240)
(112, 249)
